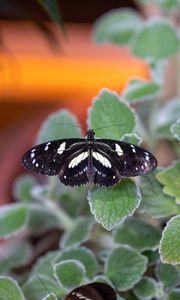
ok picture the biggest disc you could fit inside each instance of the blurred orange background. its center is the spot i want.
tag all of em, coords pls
(37, 78)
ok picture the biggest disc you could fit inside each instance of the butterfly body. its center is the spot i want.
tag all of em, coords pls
(80, 161)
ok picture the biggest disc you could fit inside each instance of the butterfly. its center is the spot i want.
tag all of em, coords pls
(92, 291)
(103, 162)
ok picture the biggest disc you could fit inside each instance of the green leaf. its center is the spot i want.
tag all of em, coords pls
(154, 202)
(170, 242)
(53, 129)
(169, 275)
(83, 255)
(102, 279)
(175, 129)
(9, 289)
(37, 287)
(174, 295)
(44, 264)
(108, 110)
(166, 116)
(170, 178)
(69, 273)
(117, 26)
(23, 186)
(132, 138)
(151, 41)
(52, 9)
(124, 267)
(170, 4)
(140, 90)
(13, 220)
(153, 257)
(134, 232)
(145, 289)
(15, 255)
(41, 219)
(112, 206)
(50, 296)
(78, 234)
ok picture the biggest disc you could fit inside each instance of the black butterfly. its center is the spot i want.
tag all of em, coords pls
(80, 161)
(93, 291)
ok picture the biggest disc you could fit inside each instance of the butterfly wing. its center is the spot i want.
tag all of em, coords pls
(93, 291)
(74, 170)
(130, 160)
(49, 158)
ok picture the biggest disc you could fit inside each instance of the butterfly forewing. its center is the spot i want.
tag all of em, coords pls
(48, 158)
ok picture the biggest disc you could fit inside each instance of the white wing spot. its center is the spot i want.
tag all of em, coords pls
(33, 150)
(134, 150)
(146, 164)
(147, 157)
(34, 161)
(114, 177)
(61, 149)
(119, 150)
(125, 162)
(46, 148)
(103, 160)
(48, 143)
(65, 176)
(76, 160)
(142, 167)
(136, 168)
(32, 154)
(37, 165)
(82, 297)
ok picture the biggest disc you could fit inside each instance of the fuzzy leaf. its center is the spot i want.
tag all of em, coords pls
(51, 296)
(169, 275)
(175, 129)
(15, 255)
(166, 116)
(170, 178)
(134, 232)
(151, 40)
(112, 206)
(140, 90)
(37, 287)
(13, 219)
(52, 128)
(170, 242)
(41, 219)
(117, 26)
(154, 202)
(170, 4)
(69, 273)
(78, 234)
(44, 264)
(145, 289)
(23, 186)
(124, 267)
(132, 138)
(108, 110)
(83, 255)
(153, 257)
(174, 295)
(9, 289)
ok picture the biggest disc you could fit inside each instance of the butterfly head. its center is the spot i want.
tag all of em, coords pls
(90, 135)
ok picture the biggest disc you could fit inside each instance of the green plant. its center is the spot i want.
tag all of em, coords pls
(138, 257)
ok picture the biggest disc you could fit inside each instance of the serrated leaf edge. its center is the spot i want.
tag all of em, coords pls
(165, 261)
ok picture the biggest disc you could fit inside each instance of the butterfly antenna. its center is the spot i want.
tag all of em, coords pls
(73, 125)
(109, 126)
(46, 288)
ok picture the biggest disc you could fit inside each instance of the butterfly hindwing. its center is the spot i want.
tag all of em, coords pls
(74, 169)
(48, 158)
(93, 291)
